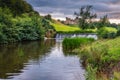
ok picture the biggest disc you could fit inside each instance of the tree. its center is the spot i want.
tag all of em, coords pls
(85, 15)
(104, 21)
(48, 17)
(17, 7)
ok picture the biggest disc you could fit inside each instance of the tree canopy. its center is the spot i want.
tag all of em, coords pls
(85, 15)
(17, 7)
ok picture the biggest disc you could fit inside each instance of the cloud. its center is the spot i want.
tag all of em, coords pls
(68, 7)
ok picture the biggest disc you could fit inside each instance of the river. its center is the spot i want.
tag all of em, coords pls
(39, 60)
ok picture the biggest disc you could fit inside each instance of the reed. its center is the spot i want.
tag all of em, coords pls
(72, 43)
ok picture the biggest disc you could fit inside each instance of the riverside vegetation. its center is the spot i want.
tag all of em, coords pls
(100, 57)
(18, 22)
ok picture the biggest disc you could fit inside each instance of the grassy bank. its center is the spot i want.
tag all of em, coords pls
(63, 28)
(107, 32)
(102, 55)
(72, 43)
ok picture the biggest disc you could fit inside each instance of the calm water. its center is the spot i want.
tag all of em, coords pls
(41, 60)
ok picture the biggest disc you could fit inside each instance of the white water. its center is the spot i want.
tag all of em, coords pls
(62, 36)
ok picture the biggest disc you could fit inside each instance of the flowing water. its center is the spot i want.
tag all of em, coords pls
(89, 35)
(39, 60)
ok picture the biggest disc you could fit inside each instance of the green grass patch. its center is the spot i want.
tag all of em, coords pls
(101, 54)
(107, 32)
(59, 27)
(72, 43)
(110, 29)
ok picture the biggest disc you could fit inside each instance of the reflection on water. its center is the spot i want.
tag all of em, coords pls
(40, 60)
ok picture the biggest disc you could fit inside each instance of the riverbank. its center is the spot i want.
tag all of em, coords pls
(66, 29)
(100, 57)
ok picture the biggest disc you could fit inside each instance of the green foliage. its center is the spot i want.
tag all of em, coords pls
(103, 55)
(107, 32)
(29, 28)
(118, 33)
(85, 15)
(17, 7)
(72, 43)
(48, 17)
(104, 21)
(20, 28)
(86, 31)
(66, 29)
(46, 24)
(91, 73)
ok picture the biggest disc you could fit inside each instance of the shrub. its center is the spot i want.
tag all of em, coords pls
(19, 28)
(29, 28)
(107, 32)
(118, 33)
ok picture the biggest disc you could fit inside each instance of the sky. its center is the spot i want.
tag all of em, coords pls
(60, 9)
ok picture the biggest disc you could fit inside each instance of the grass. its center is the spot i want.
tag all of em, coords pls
(106, 51)
(116, 75)
(98, 57)
(113, 45)
(72, 43)
(59, 27)
(107, 32)
(110, 29)
(102, 54)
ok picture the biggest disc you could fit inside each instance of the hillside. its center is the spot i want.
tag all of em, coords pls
(59, 27)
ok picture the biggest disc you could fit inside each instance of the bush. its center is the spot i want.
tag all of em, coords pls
(19, 28)
(118, 33)
(107, 32)
(29, 28)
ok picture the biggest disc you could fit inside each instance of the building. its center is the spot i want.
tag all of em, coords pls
(71, 21)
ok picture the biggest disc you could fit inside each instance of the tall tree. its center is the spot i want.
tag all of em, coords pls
(104, 21)
(85, 15)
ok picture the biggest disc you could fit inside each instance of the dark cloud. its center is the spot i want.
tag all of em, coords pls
(63, 8)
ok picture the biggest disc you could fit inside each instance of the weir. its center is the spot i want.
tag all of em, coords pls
(88, 35)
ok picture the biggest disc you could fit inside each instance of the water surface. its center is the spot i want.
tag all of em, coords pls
(39, 60)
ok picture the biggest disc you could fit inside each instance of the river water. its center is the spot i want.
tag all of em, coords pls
(39, 60)
(88, 35)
